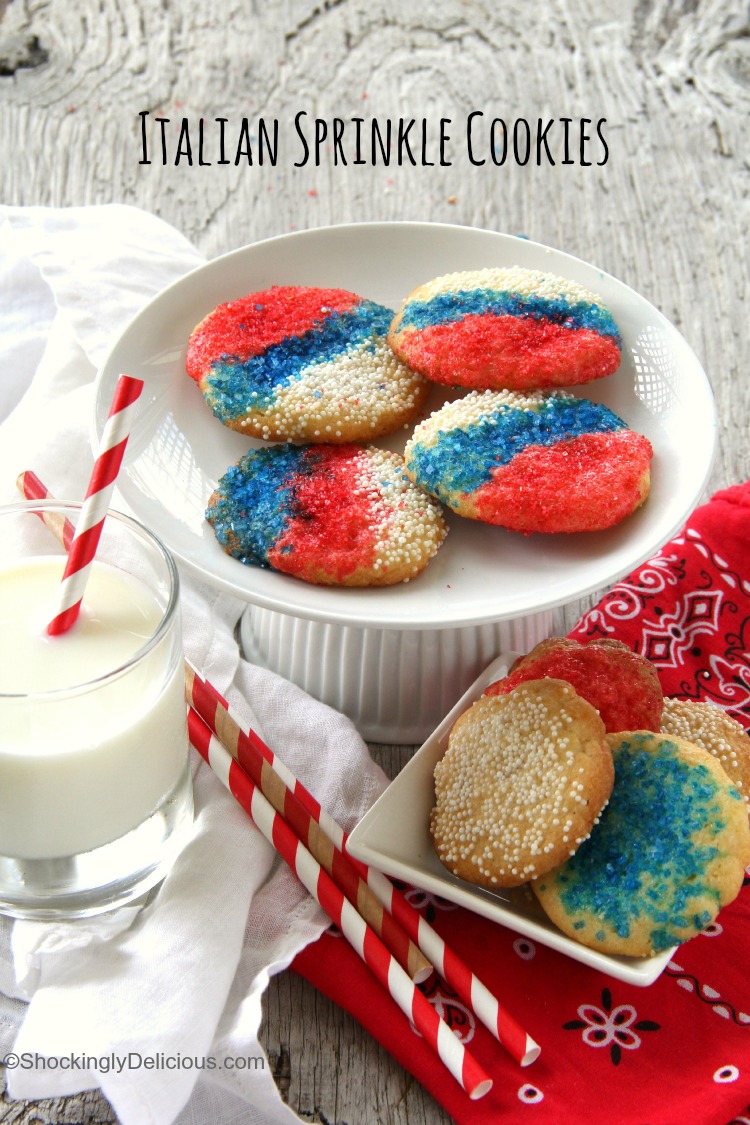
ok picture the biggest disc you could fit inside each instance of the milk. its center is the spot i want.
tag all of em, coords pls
(82, 765)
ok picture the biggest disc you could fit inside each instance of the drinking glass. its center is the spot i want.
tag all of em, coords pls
(95, 785)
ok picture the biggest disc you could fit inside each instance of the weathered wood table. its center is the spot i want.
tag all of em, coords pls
(616, 131)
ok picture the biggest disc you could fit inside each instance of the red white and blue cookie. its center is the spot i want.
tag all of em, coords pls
(332, 515)
(303, 364)
(509, 328)
(544, 461)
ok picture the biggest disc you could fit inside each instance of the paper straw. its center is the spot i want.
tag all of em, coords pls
(216, 712)
(340, 867)
(243, 745)
(436, 1033)
(31, 487)
(96, 502)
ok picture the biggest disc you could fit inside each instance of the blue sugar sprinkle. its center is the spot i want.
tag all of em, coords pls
(461, 461)
(255, 501)
(639, 862)
(236, 386)
(446, 308)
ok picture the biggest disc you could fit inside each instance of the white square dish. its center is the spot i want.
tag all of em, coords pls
(394, 837)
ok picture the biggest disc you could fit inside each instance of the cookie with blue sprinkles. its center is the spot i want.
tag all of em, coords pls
(545, 461)
(668, 853)
(304, 364)
(506, 329)
(332, 515)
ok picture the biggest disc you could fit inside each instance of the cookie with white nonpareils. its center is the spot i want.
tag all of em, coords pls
(506, 328)
(303, 364)
(709, 726)
(668, 853)
(332, 515)
(523, 780)
(540, 462)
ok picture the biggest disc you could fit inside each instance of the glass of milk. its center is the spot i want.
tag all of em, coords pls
(95, 785)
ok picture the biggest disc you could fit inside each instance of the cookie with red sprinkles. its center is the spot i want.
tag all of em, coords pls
(506, 328)
(332, 515)
(622, 685)
(545, 461)
(304, 364)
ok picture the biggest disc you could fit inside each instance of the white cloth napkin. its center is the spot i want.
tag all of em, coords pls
(180, 979)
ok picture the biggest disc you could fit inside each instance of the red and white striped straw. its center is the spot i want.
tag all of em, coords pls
(436, 1033)
(241, 743)
(342, 868)
(31, 487)
(96, 502)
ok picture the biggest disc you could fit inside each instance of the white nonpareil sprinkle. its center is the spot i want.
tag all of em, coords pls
(508, 789)
(410, 523)
(707, 726)
(470, 410)
(359, 391)
(509, 279)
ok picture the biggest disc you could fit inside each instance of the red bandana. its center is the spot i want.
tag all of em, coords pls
(677, 1051)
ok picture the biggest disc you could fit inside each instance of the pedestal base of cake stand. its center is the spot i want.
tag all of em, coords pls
(395, 685)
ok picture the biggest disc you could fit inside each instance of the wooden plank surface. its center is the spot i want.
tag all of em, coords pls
(668, 213)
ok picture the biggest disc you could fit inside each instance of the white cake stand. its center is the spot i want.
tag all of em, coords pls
(394, 684)
(395, 659)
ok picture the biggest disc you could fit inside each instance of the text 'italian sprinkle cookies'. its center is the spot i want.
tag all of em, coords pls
(669, 851)
(544, 461)
(333, 515)
(305, 365)
(523, 780)
(509, 328)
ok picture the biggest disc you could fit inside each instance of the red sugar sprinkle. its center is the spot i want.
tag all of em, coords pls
(252, 324)
(588, 483)
(488, 351)
(332, 530)
(622, 685)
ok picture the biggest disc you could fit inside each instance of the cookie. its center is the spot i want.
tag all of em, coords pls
(333, 515)
(708, 726)
(544, 461)
(623, 686)
(506, 329)
(304, 365)
(523, 780)
(669, 851)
